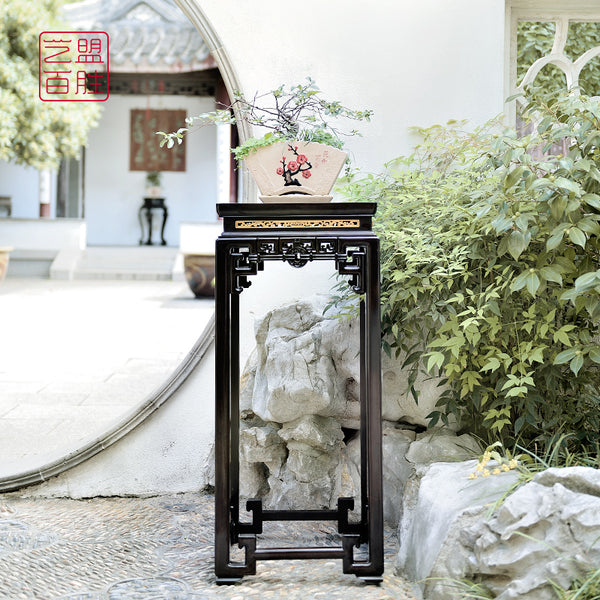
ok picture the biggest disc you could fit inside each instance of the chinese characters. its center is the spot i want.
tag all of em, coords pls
(73, 66)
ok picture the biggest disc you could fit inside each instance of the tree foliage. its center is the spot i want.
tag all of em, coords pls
(490, 272)
(33, 132)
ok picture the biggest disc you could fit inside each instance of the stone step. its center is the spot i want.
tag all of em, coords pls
(123, 263)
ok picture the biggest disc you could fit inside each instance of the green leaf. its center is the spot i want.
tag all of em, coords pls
(594, 354)
(592, 200)
(435, 359)
(533, 283)
(565, 356)
(551, 274)
(491, 365)
(517, 243)
(519, 281)
(540, 183)
(577, 236)
(576, 363)
(555, 241)
(586, 282)
(568, 185)
(513, 177)
(562, 335)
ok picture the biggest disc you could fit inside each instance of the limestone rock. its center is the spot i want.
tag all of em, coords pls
(543, 532)
(396, 469)
(312, 430)
(441, 445)
(305, 364)
(398, 403)
(312, 474)
(433, 500)
(547, 530)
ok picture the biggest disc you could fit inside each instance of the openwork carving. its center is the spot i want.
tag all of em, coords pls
(249, 259)
(353, 263)
(297, 252)
(243, 265)
(299, 224)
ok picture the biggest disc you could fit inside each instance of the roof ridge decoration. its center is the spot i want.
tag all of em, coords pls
(145, 35)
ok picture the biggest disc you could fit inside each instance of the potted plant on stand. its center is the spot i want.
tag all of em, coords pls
(153, 184)
(299, 157)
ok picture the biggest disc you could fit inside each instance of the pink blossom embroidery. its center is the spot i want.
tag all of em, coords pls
(306, 174)
(279, 170)
(301, 158)
(293, 165)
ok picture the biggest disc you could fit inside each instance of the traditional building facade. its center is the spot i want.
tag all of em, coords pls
(161, 71)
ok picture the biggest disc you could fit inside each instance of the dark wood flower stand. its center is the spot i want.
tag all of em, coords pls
(148, 206)
(297, 234)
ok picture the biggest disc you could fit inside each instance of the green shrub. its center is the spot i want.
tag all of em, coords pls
(490, 272)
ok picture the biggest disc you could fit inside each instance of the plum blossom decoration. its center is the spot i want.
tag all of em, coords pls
(291, 168)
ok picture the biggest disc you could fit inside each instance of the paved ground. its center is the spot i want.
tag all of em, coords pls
(77, 355)
(158, 549)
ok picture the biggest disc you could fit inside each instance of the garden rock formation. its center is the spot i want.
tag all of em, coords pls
(300, 449)
(299, 401)
(545, 531)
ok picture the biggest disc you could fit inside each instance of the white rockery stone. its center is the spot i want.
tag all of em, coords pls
(545, 531)
(300, 387)
(305, 364)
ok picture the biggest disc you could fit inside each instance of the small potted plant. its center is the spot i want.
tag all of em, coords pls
(300, 156)
(153, 187)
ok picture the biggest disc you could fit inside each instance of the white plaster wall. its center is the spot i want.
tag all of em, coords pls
(22, 184)
(415, 63)
(114, 193)
(412, 62)
(168, 453)
(43, 234)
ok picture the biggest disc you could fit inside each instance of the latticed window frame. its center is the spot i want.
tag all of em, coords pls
(561, 12)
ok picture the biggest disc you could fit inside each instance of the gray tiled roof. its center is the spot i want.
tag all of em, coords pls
(144, 35)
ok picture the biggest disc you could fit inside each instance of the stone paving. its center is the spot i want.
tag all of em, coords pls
(158, 548)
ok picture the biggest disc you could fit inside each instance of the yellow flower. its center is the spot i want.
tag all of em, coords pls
(496, 471)
(486, 473)
(473, 476)
(513, 464)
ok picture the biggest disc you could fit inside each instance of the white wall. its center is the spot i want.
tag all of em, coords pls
(22, 184)
(414, 62)
(114, 193)
(42, 234)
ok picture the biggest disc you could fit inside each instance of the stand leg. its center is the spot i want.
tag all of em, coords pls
(149, 219)
(162, 229)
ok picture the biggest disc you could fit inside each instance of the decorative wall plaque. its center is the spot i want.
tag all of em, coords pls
(145, 153)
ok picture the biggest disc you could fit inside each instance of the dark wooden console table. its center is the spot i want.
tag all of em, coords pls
(148, 205)
(297, 234)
